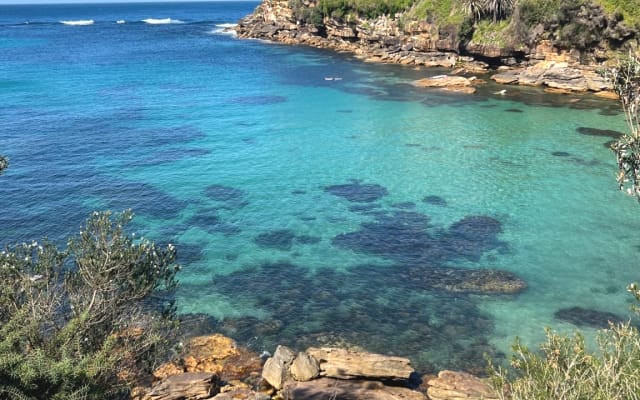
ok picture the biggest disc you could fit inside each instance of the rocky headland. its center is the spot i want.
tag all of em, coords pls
(541, 57)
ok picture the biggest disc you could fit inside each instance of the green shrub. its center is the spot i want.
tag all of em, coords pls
(629, 9)
(362, 8)
(83, 322)
(566, 370)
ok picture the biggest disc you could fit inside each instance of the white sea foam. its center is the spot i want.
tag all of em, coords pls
(120, 21)
(224, 29)
(161, 21)
(78, 22)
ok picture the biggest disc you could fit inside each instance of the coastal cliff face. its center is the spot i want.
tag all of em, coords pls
(380, 39)
(574, 42)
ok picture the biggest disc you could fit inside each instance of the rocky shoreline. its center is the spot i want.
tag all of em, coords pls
(215, 367)
(419, 44)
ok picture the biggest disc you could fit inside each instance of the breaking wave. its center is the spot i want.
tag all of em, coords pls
(78, 22)
(161, 21)
(224, 29)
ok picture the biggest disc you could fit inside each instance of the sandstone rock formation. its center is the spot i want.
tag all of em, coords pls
(187, 386)
(452, 385)
(347, 364)
(457, 84)
(326, 388)
(276, 368)
(411, 42)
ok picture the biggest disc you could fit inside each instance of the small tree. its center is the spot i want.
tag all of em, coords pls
(625, 78)
(82, 322)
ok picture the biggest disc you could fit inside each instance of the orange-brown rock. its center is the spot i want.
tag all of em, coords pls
(167, 369)
(607, 94)
(452, 385)
(458, 84)
(220, 355)
(215, 354)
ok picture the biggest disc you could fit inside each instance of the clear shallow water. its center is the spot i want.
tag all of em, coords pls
(228, 148)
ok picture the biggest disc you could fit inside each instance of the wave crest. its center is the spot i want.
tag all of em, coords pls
(78, 22)
(161, 21)
(224, 29)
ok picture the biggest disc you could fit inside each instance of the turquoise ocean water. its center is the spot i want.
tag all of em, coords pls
(309, 211)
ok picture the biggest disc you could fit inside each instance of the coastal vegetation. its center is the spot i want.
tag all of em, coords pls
(85, 321)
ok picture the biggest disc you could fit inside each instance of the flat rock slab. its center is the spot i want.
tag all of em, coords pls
(188, 386)
(453, 385)
(443, 81)
(326, 388)
(347, 364)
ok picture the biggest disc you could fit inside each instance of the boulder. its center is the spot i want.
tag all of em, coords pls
(276, 368)
(507, 77)
(452, 385)
(596, 82)
(561, 77)
(216, 354)
(458, 84)
(326, 388)
(304, 367)
(441, 81)
(607, 94)
(220, 354)
(347, 364)
(187, 386)
(533, 76)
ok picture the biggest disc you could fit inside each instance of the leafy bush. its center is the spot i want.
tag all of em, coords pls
(567, 370)
(629, 9)
(304, 14)
(625, 78)
(362, 8)
(81, 323)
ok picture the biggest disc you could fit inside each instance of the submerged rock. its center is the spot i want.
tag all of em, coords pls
(279, 239)
(587, 317)
(435, 200)
(462, 280)
(358, 192)
(583, 130)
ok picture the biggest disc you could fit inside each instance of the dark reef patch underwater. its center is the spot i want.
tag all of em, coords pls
(414, 304)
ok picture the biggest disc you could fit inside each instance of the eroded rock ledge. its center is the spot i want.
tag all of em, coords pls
(214, 367)
(420, 43)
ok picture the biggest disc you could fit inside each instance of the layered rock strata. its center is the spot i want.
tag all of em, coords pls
(419, 43)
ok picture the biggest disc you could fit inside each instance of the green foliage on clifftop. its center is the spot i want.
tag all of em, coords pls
(514, 24)
(362, 8)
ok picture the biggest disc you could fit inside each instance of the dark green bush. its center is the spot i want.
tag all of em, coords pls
(84, 322)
